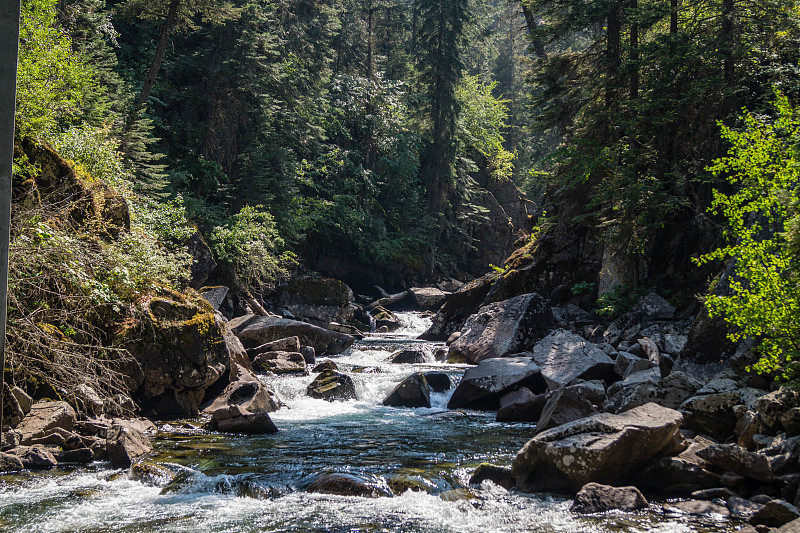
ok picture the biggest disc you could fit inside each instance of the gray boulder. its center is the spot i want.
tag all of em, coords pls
(44, 417)
(349, 485)
(235, 419)
(681, 474)
(411, 392)
(732, 457)
(254, 330)
(239, 407)
(215, 295)
(773, 407)
(597, 498)
(410, 356)
(564, 357)
(604, 448)
(125, 443)
(332, 386)
(36, 457)
(711, 410)
(645, 386)
(521, 405)
(627, 363)
(289, 344)
(428, 298)
(564, 405)
(775, 513)
(280, 363)
(482, 386)
(10, 463)
(653, 307)
(502, 328)
(438, 381)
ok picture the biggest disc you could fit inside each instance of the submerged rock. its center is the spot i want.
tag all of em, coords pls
(502, 328)
(411, 392)
(482, 386)
(496, 474)
(349, 485)
(332, 386)
(604, 448)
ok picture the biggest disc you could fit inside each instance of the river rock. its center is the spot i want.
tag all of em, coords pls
(712, 414)
(10, 463)
(482, 386)
(254, 330)
(564, 357)
(125, 443)
(317, 299)
(248, 393)
(502, 328)
(280, 363)
(36, 457)
(741, 508)
(410, 356)
(733, 457)
(331, 386)
(327, 364)
(597, 498)
(775, 513)
(235, 419)
(438, 381)
(699, 507)
(309, 354)
(385, 319)
(521, 405)
(564, 405)
(496, 474)
(289, 344)
(428, 298)
(604, 448)
(457, 308)
(680, 475)
(349, 485)
(411, 392)
(44, 417)
(79, 456)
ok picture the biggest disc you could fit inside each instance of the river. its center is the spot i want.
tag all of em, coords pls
(230, 483)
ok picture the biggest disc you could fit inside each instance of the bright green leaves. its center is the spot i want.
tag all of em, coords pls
(764, 301)
(52, 80)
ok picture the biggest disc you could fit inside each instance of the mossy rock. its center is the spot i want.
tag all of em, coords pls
(331, 386)
(316, 290)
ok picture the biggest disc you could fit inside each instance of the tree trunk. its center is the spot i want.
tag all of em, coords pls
(613, 53)
(634, 40)
(152, 73)
(530, 20)
(728, 73)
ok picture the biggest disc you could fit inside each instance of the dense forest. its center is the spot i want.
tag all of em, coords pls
(387, 142)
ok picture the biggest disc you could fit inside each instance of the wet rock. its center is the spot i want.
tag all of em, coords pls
(741, 508)
(385, 319)
(152, 474)
(249, 394)
(76, 456)
(604, 448)
(410, 356)
(331, 386)
(733, 457)
(125, 443)
(699, 507)
(564, 405)
(502, 328)
(10, 463)
(521, 405)
(255, 330)
(280, 363)
(235, 419)
(309, 354)
(564, 357)
(44, 417)
(653, 307)
(438, 381)
(325, 365)
(482, 386)
(775, 513)
(37, 457)
(597, 498)
(496, 474)
(401, 483)
(457, 308)
(428, 298)
(413, 391)
(349, 485)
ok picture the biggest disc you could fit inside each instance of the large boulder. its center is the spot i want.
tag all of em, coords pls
(482, 386)
(255, 330)
(645, 386)
(250, 397)
(235, 419)
(733, 458)
(332, 386)
(203, 263)
(125, 443)
(457, 309)
(36, 457)
(317, 299)
(410, 356)
(711, 410)
(280, 363)
(564, 357)
(653, 307)
(564, 405)
(428, 298)
(502, 328)
(411, 392)
(521, 405)
(10, 463)
(181, 349)
(349, 485)
(603, 448)
(44, 418)
(681, 474)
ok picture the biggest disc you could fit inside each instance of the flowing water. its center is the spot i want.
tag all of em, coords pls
(255, 483)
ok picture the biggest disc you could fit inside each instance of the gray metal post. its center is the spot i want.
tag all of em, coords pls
(9, 50)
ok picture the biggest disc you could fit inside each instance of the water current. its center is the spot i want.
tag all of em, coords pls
(230, 483)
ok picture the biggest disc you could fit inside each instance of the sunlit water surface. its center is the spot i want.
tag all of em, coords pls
(234, 483)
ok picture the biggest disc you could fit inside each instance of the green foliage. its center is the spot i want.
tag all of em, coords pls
(583, 287)
(53, 81)
(249, 246)
(762, 217)
(616, 302)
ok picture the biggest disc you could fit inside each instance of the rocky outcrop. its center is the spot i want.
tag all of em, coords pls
(603, 448)
(332, 386)
(597, 498)
(317, 299)
(457, 308)
(564, 357)
(482, 386)
(181, 350)
(502, 328)
(413, 391)
(254, 330)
